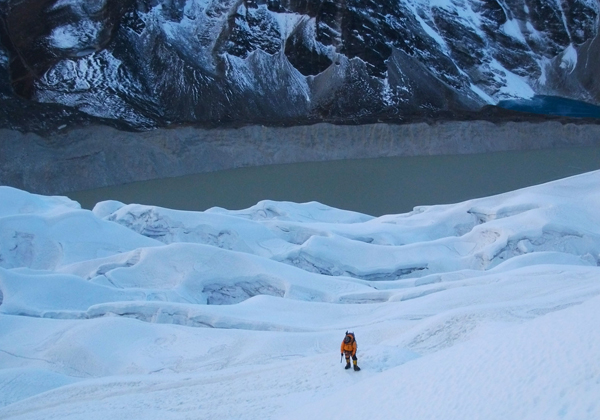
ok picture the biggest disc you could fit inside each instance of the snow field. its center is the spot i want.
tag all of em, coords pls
(545, 368)
(482, 309)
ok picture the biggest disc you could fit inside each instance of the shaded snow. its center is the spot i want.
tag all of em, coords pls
(569, 58)
(83, 33)
(511, 28)
(513, 86)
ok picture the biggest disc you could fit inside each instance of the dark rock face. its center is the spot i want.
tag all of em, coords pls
(148, 63)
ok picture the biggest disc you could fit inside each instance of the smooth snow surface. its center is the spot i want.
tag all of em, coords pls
(486, 309)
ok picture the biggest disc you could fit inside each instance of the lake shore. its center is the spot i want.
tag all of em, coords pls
(100, 156)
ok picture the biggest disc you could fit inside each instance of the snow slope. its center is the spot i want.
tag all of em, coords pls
(481, 309)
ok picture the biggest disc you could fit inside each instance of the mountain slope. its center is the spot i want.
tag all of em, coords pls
(289, 61)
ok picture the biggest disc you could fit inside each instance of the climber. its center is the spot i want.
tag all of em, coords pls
(349, 350)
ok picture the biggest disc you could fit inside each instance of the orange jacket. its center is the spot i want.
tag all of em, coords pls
(350, 347)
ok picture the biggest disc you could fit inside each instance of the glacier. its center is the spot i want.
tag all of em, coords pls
(486, 308)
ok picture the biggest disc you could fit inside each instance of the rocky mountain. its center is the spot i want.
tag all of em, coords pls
(149, 63)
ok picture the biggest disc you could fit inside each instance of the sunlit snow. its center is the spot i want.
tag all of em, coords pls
(482, 309)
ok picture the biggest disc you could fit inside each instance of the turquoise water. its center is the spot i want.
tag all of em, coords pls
(552, 105)
(372, 186)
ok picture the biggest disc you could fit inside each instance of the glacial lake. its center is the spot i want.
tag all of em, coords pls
(553, 105)
(372, 186)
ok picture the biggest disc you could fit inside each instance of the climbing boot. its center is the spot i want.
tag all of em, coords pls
(347, 365)
(356, 368)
